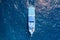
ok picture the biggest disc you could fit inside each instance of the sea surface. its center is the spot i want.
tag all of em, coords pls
(13, 21)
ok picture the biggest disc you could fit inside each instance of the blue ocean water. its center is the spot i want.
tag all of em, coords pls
(13, 22)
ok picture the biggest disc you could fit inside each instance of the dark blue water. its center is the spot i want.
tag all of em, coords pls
(13, 22)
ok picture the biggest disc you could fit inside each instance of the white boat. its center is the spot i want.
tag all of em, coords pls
(31, 19)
